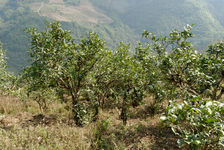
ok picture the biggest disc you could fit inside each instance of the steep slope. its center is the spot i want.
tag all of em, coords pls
(81, 12)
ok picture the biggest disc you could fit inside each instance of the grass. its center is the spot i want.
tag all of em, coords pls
(43, 137)
(23, 126)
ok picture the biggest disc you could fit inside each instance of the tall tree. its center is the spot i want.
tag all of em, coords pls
(59, 62)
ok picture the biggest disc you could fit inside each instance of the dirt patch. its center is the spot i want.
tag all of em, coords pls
(8, 121)
(41, 119)
(155, 136)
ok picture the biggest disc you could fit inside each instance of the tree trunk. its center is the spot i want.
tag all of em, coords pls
(124, 111)
(74, 110)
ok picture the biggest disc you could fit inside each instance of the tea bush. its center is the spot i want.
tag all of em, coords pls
(198, 122)
(6, 79)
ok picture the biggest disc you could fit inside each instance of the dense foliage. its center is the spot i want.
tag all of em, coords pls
(6, 78)
(3, 73)
(198, 122)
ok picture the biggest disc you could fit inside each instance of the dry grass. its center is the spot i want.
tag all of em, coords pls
(11, 105)
(23, 127)
(44, 137)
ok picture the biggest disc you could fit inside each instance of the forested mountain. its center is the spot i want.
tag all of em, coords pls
(114, 20)
(161, 16)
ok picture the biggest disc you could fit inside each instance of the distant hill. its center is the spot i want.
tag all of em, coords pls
(114, 20)
(161, 16)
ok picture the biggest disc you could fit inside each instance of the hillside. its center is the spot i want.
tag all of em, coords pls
(216, 7)
(114, 20)
(15, 16)
(161, 16)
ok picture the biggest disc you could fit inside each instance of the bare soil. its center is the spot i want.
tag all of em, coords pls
(58, 10)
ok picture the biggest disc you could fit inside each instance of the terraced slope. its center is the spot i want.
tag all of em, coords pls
(82, 13)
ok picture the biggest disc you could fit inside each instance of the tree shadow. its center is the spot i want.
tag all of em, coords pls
(161, 138)
(145, 112)
(41, 119)
(46, 120)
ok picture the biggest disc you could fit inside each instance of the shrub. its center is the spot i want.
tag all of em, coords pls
(58, 62)
(199, 123)
(103, 139)
(6, 79)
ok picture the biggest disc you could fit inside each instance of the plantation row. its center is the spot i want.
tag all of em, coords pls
(190, 85)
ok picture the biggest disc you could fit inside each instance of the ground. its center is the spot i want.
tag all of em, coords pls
(23, 126)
